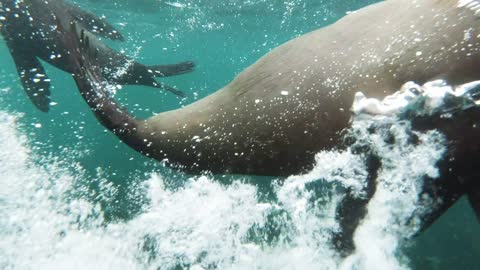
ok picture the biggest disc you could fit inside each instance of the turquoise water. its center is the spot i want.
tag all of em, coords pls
(80, 199)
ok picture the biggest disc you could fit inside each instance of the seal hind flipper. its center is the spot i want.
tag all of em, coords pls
(474, 199)
(173, 69)
(33, 78)
(137, 73)
(95, 24)
(171, 89)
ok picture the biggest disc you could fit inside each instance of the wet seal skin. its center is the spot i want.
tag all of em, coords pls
(28, 28)
(295, 101)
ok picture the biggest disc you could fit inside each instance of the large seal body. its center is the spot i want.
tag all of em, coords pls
(293, 102)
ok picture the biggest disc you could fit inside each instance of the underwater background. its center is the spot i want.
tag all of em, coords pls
(72, 196)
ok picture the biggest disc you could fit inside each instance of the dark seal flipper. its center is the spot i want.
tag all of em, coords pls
(474, 199)
(353, 209)
(171, 89)
(120, 69)
(439, 195)
(32, 76)
(166, 71)
(459, 167)
(173, 69)
(139, 74)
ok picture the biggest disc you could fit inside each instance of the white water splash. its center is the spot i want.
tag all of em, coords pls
(35, 216)
(404, 166)
(426, 99)
(209, 225)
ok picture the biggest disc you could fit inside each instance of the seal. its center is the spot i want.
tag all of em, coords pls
(28, 30)
(294, 102)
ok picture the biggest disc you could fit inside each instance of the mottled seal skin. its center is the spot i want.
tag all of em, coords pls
(29, 30)
(294, 102)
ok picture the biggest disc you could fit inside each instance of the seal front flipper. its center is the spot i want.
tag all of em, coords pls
(34, 79)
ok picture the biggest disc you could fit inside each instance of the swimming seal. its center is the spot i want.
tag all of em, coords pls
(294, 101)
(28, 30)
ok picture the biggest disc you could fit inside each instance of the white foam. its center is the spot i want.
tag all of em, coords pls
(424, 99)
(205, 224)
(202, 224)
(404, 166)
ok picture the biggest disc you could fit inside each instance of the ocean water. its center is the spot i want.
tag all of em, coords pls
(73, 197)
